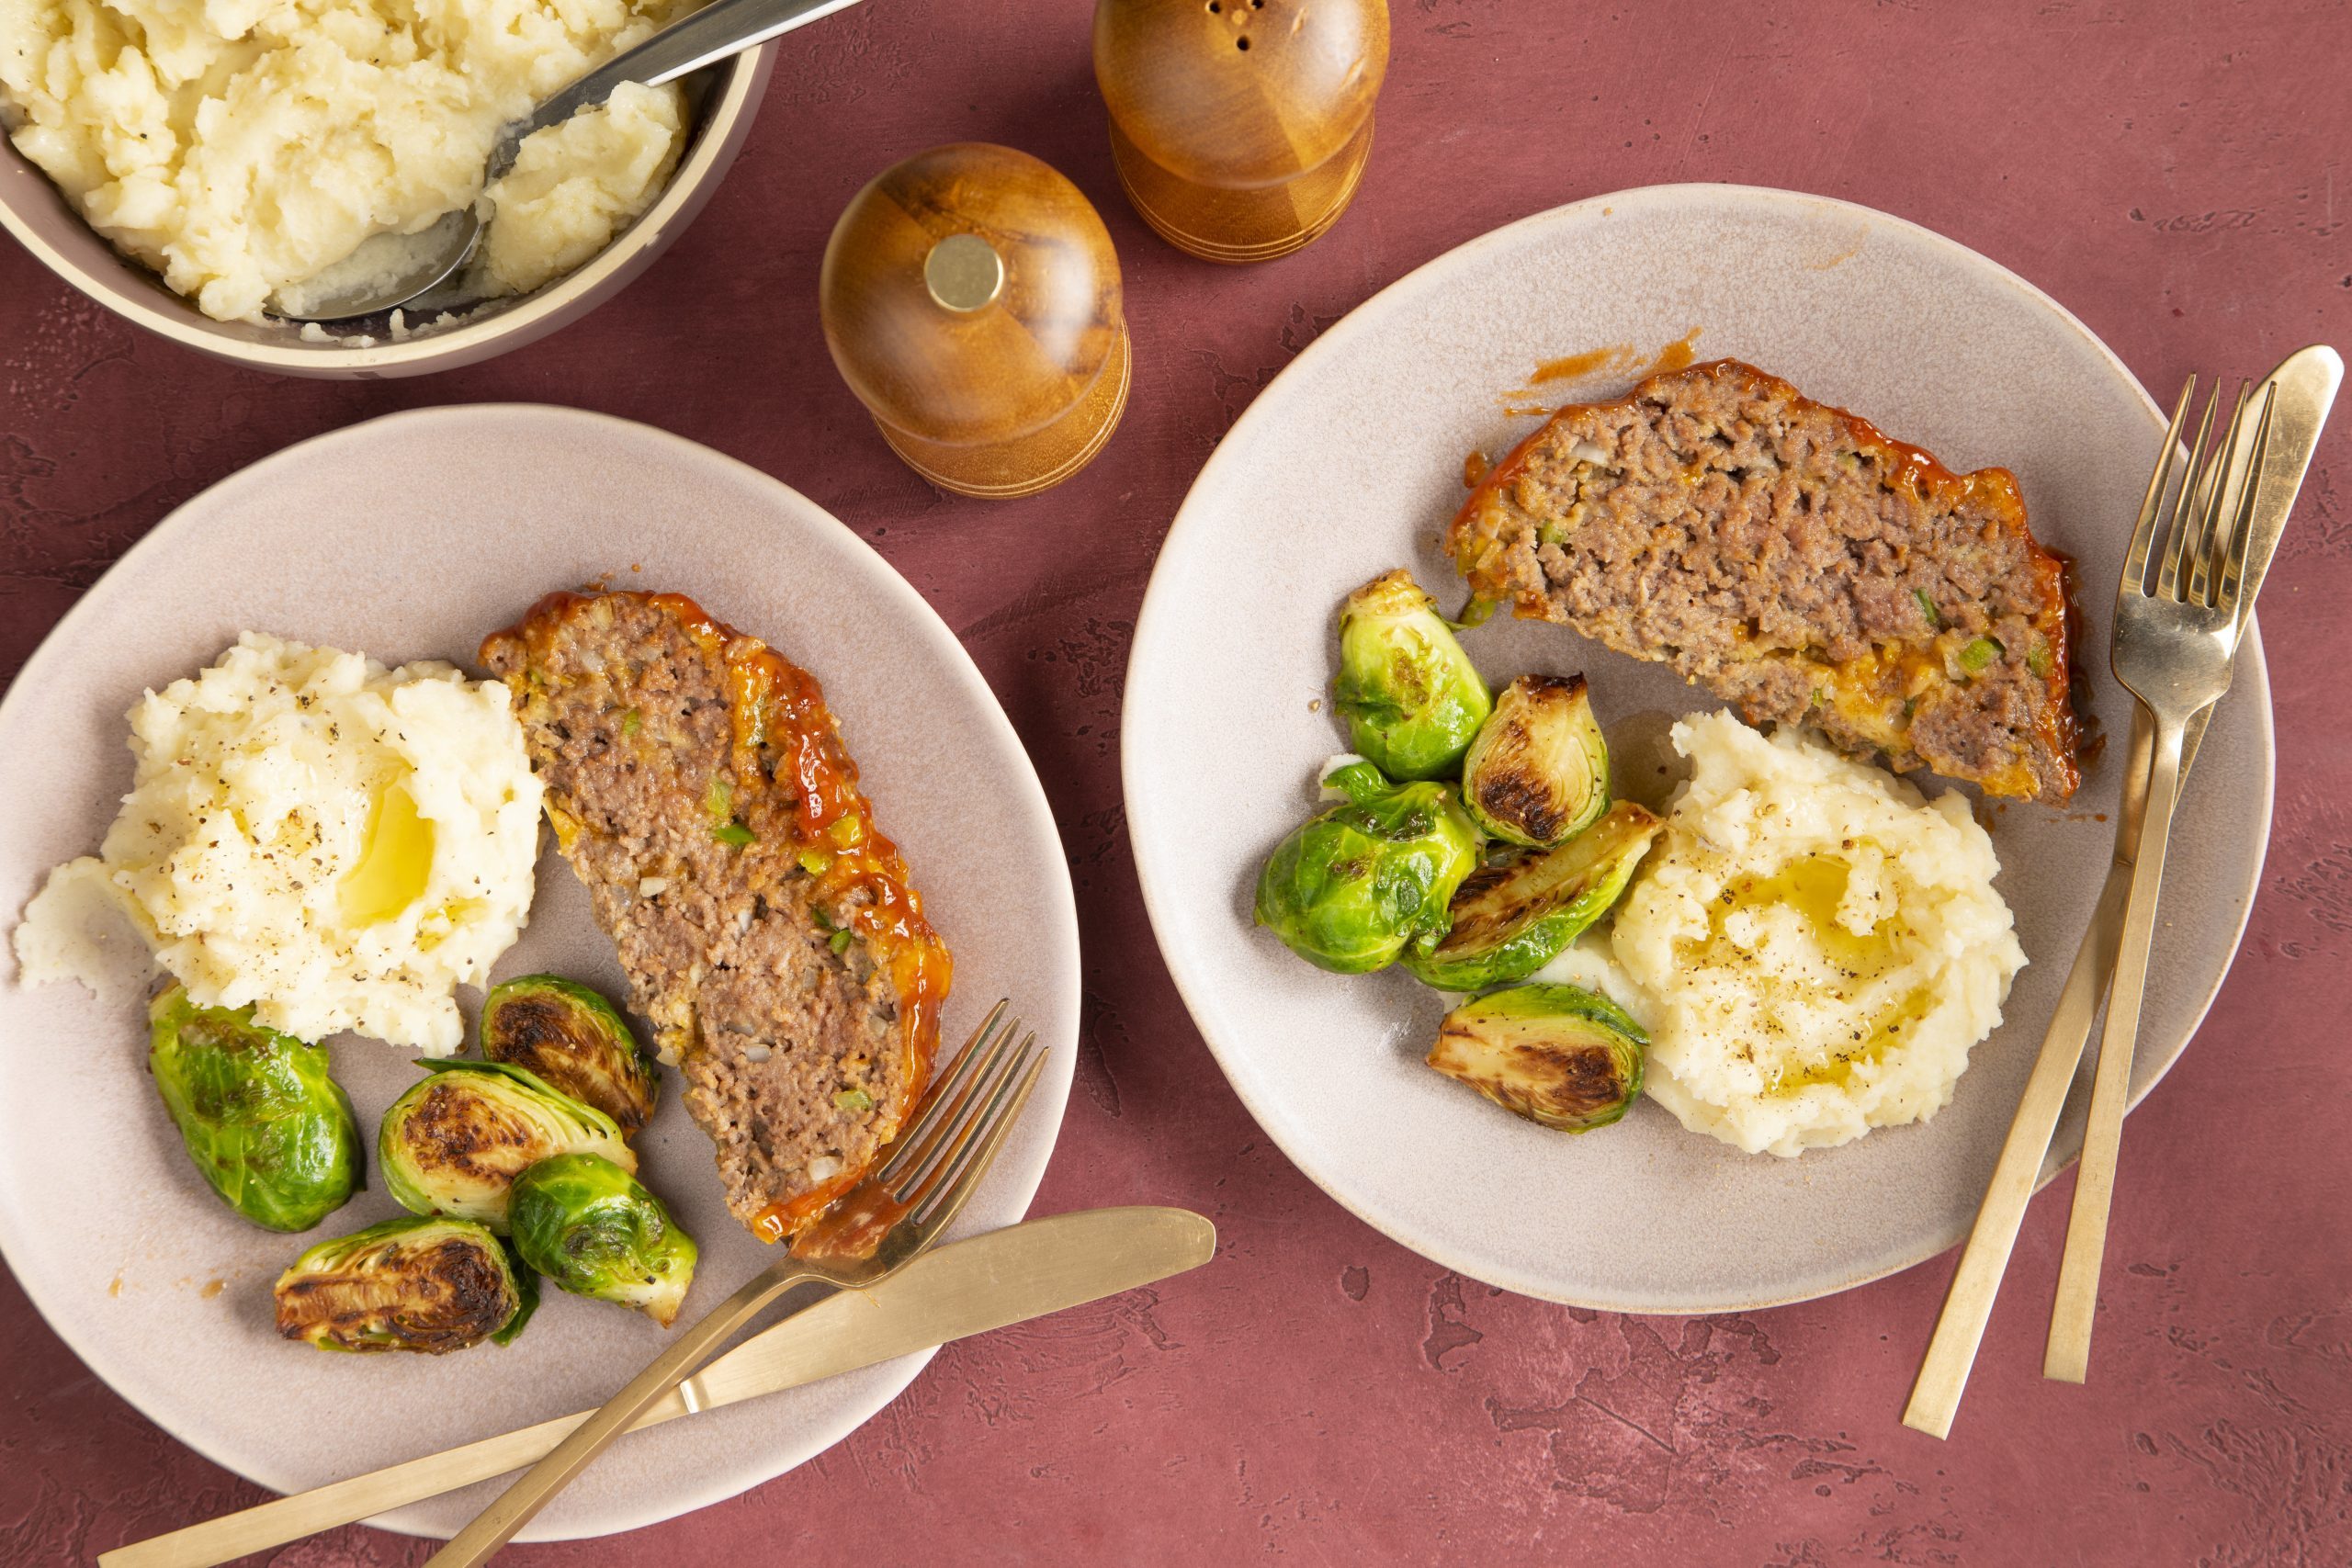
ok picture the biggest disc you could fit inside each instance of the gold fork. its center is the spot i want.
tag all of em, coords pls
(875, 1229)
(2174, 645)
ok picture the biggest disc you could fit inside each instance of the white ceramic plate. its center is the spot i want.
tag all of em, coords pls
(1350, 463)
(412, 536)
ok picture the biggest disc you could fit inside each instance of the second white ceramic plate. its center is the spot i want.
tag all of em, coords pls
(411, 538)
(1352, 463)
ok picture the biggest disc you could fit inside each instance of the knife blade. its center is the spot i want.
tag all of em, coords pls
(2305, 385)
(952, 1292)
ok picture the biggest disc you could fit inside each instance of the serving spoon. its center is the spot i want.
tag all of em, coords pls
(440, 252)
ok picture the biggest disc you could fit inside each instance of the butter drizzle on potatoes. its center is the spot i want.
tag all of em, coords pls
(1818, 949)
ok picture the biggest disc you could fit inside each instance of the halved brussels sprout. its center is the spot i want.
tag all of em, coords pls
(1556, 1054)
(1351, 888)
(588, 1226)
(1538, 772)
(1411, 697)
(1511, 919)
(576, 1041)
(455, 1143)
(258, 1112)
(430, 1285)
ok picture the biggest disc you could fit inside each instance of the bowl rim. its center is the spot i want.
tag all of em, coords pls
(136, 293)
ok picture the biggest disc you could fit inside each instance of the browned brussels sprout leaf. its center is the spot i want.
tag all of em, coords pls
(1511, 919)
(1559, 1055)
(1538, 772)
(455, 1143)
(575, 1040)
(414, 1283)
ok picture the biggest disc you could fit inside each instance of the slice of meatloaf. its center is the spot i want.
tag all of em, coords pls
(699, 788)
(1795, 560)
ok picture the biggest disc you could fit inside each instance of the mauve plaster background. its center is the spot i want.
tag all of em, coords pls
(2179, 176)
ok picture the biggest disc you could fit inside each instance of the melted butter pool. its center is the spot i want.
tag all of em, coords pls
(395, 861)
(1814, 887)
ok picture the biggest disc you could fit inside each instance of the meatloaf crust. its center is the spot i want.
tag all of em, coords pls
(1795, 560)
(699, 788)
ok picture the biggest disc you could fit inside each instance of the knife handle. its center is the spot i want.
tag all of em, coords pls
(287, 1519)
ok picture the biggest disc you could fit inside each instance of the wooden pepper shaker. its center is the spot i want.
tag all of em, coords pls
(1240, 126)
(970, 297)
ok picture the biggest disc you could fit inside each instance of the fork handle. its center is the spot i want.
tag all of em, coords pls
(1968, 1302)
(496, 1525)
(2066, 1354)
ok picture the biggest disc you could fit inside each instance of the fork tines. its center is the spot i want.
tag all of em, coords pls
(959, 1115)
(2197, 536)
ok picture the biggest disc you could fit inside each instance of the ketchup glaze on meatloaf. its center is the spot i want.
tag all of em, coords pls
(699, 787)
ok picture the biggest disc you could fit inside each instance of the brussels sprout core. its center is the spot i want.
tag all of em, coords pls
(588, 1226)
(1556, 1054)
(1511, 919)
(1352, 888)
(430, 1285)
(455, 1143)
(1538, 772)
(576, 1041)
(1411, 697)
(259, 1114)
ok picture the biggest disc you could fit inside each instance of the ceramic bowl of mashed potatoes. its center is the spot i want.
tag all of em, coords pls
(194, 168)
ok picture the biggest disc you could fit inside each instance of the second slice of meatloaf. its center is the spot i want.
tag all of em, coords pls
(1789, 556)
(699, 788)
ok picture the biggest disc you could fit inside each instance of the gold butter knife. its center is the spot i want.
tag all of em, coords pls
(952, 1292)
(2305, 386)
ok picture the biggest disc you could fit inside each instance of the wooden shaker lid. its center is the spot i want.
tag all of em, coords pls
(970, 298)
(1240, 126)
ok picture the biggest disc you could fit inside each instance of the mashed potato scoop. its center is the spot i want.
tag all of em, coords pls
(335, 843)
(1817, 948)
(392, 270)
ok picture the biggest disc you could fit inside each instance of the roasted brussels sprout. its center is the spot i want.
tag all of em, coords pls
(1411, 697)
(1354, 887)
(588, 1226)
(432, 1285)
(1556, 1054)
(455, 1143)
(1511, 919)
(260, 1116)
(576, 1041)
(1538, 772)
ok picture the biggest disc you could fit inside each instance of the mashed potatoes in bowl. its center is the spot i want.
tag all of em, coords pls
(340, 843)
(241, 147)
(1816, 949)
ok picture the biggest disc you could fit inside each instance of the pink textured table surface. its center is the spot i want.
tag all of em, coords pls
(2172, 173)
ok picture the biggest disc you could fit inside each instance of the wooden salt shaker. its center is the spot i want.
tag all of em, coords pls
(970, 297)
(1240, 126)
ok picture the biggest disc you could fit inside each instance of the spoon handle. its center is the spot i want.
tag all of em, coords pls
(714, 32)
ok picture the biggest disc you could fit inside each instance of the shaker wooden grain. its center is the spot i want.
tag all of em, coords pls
(970, 298)
(1240, 126)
